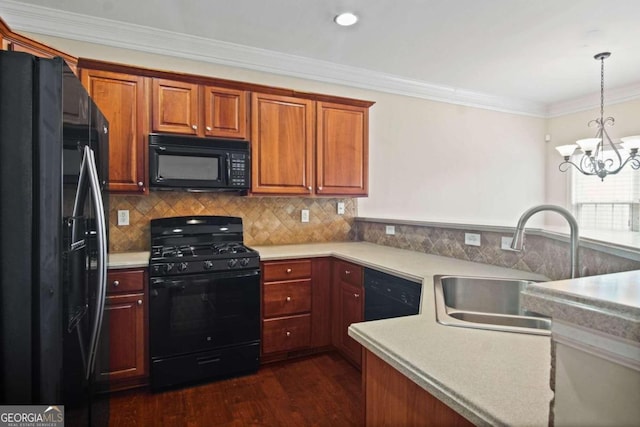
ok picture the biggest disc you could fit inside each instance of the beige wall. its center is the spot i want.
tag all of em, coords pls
(428, 160)
(569, 128)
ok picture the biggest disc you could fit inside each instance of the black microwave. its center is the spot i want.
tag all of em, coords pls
(198, 164)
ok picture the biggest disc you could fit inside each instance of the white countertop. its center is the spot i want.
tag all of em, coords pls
(491, 378)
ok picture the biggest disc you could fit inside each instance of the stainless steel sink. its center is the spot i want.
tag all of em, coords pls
(486, 303)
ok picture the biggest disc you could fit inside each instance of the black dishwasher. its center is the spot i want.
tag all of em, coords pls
(388, 296)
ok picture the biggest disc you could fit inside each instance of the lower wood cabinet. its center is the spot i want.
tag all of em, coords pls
(348, 307)
(392, 399)
(122, 356)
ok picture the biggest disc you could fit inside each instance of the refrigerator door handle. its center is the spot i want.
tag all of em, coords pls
(88, 171)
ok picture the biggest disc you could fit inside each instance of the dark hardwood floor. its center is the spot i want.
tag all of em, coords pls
(320, 390)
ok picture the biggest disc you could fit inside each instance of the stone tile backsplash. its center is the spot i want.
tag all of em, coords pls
(542, 255)
(266, 220)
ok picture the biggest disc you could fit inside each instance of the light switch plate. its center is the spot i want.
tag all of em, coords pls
(340, 208)
(390, 229)
(304, 215)
(123, 217)
(472, 239)
(506, 243)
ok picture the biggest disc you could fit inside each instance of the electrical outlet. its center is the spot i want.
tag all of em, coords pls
(304, 215)
(340, 208)
(123, 217)
(471, 239)
(506, 243)
(390, 229)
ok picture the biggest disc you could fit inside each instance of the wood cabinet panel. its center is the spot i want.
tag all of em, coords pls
(285, 298)
(225, 112)
(286, 333)
(122, 98)
(286, 270)
(282, 141)
(175, 107)
(391, 399)
(321, 302)
(347, 308)
(342, 149)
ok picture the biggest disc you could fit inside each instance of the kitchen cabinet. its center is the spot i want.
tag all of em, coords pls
(342, 153)
(282, 141)
(304, 147)
(198, 110)
(123, 99)
(18, 43)
(296, 298)
(392, 399)
(122, 356)
(286, 305)
(348, 307)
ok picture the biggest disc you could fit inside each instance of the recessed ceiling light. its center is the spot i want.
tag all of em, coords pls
(346, 19)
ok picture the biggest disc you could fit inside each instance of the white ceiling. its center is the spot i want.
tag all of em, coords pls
(528, 55)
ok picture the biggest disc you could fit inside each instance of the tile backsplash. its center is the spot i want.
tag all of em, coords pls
(544, 255)
(266, 220)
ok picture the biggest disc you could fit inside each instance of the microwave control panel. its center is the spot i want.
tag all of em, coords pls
(239, 172)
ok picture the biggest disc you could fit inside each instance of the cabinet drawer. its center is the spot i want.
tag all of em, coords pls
(125, 281)
(350, 273)
(284, 298)
(283, 334)
(286, 270)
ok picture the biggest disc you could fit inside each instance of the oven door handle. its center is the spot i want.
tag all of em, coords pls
(183, 281)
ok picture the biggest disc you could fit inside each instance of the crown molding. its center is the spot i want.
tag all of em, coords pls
(588, 102)
(74, 26)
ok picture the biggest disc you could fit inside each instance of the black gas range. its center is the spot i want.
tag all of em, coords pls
(204, 309)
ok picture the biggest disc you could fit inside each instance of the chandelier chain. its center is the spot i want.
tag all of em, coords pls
(602, 90)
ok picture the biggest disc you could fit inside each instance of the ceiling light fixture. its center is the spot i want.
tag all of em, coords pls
(346, 19)
(594, 160)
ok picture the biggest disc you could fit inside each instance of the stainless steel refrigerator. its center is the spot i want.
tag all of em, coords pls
(53, 238)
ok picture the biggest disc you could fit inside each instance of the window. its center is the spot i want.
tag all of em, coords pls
(612, 204)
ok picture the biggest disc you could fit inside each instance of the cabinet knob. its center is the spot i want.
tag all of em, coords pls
(139, 302)
(116, 283)
(309, 188)
(140, 184)
(194, 127)
(209, 128)
(319, 188)
(288, 299)
(288, 270)
(288, 334)
(347, 272)
(356, 295)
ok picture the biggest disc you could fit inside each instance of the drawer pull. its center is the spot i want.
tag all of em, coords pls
(288, 299)
(209, 128)
(356, 295)
(116, 283)
(347, 272)
(288, 333)
(289, 271)
(139, 302)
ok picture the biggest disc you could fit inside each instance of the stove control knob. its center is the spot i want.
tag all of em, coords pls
(244, 262)
(168, 267)
(208, 265)
(182, 266)
(232, 262)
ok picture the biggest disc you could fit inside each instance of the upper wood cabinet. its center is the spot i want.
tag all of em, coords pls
(192, 109)
(122, 98)
(304, 147)
(282, 139)
(342, 152)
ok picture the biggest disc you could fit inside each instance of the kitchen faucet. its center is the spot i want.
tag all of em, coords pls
(518, 236)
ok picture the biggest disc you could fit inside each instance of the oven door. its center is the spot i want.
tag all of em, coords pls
(203, 311)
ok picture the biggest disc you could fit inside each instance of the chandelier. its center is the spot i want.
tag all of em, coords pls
(597, 158)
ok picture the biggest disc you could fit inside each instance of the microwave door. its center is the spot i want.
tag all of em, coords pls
(188, 167)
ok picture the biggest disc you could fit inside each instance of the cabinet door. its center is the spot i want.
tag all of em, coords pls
(175, 107)
(342, 149)
(281, 144)
(122, 99)
(126, 339)
(225, 112)
(350, 311)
